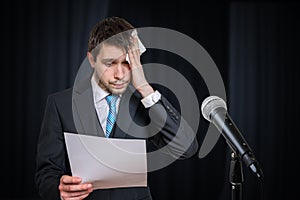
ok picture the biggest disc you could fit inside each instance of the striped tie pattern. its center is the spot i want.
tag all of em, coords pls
(112, 113)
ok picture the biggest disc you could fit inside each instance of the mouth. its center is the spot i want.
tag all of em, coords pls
(119, 85)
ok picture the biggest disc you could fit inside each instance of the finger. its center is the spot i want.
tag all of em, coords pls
(136, 53)
(134, 58)
(74, 188)
(136, 49)
(131, 59)
(77, 198)
(77, 194)
(134, 43)
(70, 179)
(74, 198)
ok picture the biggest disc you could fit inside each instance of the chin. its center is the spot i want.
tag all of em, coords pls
(118, 91)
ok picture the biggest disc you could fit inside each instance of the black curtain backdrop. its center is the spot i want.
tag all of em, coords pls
(263, 87)
(254, 45)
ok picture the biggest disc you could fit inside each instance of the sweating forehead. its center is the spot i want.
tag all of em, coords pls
(109, 51)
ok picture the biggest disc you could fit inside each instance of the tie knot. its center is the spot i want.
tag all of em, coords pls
(111, 99)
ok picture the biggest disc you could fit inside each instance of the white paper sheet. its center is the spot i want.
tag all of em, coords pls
(107, 162)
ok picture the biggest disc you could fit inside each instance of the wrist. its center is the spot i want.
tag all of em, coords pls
(151, 99)
(145, 90)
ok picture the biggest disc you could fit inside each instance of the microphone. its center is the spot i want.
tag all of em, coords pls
(214, 109)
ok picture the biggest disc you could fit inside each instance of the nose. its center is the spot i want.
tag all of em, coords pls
(119, 72)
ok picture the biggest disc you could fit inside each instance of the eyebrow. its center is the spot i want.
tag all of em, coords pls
(105, 60)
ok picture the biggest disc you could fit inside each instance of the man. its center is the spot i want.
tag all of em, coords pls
(114, 55)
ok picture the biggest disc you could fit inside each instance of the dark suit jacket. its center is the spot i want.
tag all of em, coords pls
(73, 111)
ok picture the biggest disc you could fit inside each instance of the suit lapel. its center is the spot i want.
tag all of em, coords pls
(84, 112)
(124, 119)
(85, 116)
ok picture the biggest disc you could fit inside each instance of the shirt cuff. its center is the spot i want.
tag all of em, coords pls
(151, 99)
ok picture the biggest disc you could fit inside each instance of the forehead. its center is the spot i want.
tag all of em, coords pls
(108, 51)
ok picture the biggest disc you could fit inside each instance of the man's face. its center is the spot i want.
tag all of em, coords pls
(111, 69)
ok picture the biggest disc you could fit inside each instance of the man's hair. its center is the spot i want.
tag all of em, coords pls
(111, 30)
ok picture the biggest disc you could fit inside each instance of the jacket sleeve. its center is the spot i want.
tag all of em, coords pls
(175, 137)
(51, 153)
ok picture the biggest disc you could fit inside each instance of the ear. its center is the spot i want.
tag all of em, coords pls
(91, 59)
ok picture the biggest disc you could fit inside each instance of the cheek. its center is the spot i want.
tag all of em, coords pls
(100, 70)
(100, 74)
(127, 71)
(106, 75)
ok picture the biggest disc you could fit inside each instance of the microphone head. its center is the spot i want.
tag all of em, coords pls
(210, 104)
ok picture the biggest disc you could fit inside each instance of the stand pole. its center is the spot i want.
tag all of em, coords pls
(236, 177)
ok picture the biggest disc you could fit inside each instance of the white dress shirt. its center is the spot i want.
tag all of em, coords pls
(100, 103)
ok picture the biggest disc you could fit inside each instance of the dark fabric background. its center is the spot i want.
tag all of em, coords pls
(254, 45)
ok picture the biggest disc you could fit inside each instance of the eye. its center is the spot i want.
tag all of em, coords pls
(125, 62)
(108, 64)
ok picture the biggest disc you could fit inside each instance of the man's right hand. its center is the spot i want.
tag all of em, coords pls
(71, 188)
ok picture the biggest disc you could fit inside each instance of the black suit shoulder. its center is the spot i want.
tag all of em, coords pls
(61, 95)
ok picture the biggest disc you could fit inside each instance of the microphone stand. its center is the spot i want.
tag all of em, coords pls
(236, 177)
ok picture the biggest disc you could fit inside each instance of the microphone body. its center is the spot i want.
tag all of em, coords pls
(214, 110)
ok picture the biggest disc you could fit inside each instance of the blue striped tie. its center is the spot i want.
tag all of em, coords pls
(112, 113)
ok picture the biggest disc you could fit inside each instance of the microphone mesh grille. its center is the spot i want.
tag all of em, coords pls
(211, 103)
